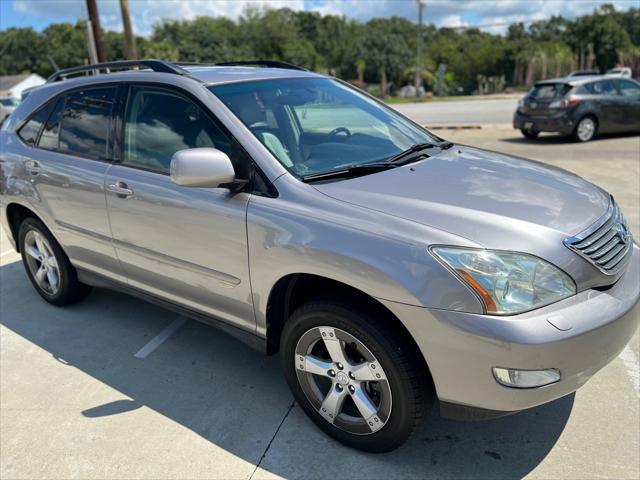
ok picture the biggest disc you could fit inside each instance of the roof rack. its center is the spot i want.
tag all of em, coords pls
(248, 63)
(155, 65)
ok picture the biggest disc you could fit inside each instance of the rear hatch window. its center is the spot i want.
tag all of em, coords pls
(542, 95)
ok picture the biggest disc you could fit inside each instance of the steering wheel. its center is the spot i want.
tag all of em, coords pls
(337, 131)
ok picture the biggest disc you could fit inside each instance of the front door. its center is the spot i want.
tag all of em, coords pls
(186, 245)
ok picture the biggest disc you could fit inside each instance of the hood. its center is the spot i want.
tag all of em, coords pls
(491, 199)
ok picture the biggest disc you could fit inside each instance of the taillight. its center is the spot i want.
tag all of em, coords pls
(566, 103)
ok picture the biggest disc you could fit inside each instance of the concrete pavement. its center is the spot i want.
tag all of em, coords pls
(76, 402)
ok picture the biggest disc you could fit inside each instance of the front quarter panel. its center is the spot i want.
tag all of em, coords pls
(304, 231)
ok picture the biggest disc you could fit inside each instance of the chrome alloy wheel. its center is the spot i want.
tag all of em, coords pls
(586, 129)
(42, 262)
(343, 380)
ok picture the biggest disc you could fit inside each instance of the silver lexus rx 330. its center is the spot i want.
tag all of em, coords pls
(388, 266)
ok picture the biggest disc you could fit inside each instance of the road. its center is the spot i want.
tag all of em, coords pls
(464, 112)
(87, 393)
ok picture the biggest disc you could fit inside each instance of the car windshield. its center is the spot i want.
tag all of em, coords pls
(9, 102)
(549, 91)
(317, 125)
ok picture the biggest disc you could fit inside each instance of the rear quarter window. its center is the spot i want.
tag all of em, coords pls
(29, 131)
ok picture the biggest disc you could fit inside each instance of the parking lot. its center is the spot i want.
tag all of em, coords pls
(82, 397)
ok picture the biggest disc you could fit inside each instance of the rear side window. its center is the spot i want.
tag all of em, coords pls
(49, 136)
(30, 130)
(604, 87)
(549, 91)
(85, 122)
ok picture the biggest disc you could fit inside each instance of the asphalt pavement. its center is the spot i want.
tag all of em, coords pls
(464, 112)
(117, 388)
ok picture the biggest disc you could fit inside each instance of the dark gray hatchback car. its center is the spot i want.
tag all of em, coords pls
(580, 106)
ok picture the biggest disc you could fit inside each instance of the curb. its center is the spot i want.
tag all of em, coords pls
(453, 127)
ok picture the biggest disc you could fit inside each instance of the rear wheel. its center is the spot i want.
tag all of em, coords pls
(47, 266)
(586, 129)
(358, 379)
(530, 133)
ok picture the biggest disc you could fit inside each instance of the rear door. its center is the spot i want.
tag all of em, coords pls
(611, 106)
(66, 166)
(185, 245)
(630, 92)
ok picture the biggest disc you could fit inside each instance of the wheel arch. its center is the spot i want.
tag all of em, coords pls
(16, 213)
(293, 290)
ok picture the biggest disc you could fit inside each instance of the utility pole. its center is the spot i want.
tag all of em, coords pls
(129, 37)
(94, 18)
(91, 44)
(418, 82)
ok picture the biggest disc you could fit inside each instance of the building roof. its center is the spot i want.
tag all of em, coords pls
(9, 81)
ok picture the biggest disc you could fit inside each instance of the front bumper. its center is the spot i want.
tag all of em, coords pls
(578, 336)
(559, 122)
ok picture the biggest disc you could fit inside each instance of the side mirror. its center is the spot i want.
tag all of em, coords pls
(202, 167)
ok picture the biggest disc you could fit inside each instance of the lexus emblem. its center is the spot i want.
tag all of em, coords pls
(623, 233)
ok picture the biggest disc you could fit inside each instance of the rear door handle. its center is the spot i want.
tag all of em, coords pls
(32, 167)
(120, 188)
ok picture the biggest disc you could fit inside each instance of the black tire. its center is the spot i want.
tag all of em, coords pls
(576, 135)
(530, 133)
(408, 377)
(70, 290)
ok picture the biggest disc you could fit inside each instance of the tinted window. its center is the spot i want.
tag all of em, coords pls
(604, 87)
(30, 130)
(85, 122)
(49, 136)
(549, 91)
(159, 123)
(628, 88)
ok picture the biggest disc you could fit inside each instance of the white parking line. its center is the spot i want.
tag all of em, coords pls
(8, 252)
(159, 339)
(633, 367)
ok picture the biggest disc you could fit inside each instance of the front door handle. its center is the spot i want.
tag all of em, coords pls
(120, 188)
(32, 167)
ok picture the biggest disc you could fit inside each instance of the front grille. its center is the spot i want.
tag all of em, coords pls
(607, 244)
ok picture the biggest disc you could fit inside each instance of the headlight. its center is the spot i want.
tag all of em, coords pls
(507, 282)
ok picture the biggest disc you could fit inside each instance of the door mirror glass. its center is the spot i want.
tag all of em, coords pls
(202, 167)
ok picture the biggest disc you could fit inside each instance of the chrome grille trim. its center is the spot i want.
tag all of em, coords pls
(607, 244)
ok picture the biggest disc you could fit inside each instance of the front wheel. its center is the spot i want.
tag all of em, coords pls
(358, 379)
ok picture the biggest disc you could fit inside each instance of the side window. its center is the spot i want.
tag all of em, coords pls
(604, 87)
(85, 122)
(29, 131)
(158, 123)
(628, 88)
(49, 136)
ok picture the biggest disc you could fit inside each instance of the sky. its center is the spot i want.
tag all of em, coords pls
(489, 15)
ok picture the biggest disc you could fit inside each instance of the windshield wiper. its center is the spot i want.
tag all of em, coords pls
(350, 171)
(416, 148)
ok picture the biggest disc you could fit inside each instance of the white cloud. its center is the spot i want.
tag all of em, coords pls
(490, 14)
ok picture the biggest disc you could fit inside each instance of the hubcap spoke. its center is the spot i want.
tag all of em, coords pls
(41, 274)
(368, 372)
(332, 404)
(333, 345)
(35, 253)
(313, 365)
(52, 277)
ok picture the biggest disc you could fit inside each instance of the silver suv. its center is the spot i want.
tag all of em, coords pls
(387, 266)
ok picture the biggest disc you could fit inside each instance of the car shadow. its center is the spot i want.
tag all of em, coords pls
(557, 139)
(237, 399)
